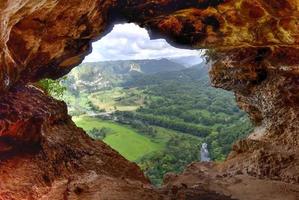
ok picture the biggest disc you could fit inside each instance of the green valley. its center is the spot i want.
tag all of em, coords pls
(156, 117)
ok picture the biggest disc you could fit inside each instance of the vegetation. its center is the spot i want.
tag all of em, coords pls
(156, 150)
(124, 139)
(179, 151)
(52, 87)
(184, 101)
(158, 120)
(118, 99)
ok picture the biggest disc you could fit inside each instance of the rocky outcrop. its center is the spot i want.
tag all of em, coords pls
(270, 96)
(48, 154)
(48, 157)
(44, 156)
(203, 180)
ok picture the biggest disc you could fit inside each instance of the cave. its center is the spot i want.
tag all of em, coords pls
(254, 50)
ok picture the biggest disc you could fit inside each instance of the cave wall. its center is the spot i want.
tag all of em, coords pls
(255, 55)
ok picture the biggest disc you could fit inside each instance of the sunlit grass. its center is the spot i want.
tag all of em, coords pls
(117, 99)
(126, 140)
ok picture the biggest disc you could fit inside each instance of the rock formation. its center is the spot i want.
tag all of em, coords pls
(44, 156)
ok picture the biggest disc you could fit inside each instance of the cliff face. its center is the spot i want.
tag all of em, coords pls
(44, 156)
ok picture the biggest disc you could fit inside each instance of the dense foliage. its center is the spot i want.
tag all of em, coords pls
(170, 113)
(184, 101)
(52, 87)
(179, 151)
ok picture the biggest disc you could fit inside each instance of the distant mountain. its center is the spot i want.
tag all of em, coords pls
(156, 66)
(187, 61)
(194, 73)
(143, 66)
(99, 75)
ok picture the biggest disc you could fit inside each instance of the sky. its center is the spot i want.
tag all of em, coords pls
(130, 42)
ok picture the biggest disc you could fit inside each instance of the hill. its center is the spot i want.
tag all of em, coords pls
(102, 75)
(187, 61)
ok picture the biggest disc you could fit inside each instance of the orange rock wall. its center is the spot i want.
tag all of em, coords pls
(44, 156)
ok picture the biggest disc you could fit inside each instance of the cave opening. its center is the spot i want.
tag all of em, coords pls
(151, 102)
(44, 155)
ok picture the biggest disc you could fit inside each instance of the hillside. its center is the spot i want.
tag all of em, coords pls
(102, 75)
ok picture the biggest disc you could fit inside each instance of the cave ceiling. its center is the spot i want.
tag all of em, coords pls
(47, 38)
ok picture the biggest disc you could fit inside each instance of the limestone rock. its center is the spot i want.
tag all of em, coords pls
(44, 156)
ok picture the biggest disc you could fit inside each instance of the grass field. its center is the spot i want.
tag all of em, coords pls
(124, 139)
(117, 99)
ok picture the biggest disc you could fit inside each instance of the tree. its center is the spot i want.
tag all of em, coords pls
(52, 87)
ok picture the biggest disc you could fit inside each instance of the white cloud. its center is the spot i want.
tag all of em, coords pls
(130, 42)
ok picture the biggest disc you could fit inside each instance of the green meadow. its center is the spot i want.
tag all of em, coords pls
(126, 140)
